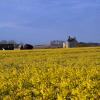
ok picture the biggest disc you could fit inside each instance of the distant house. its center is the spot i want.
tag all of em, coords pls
(56, 44)
(6, 46)
(70, 43)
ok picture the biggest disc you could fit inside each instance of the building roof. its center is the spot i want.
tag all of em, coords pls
(71, 39)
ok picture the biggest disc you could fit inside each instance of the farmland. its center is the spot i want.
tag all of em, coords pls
(50, 74)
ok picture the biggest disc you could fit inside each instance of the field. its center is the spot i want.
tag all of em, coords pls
(50, 74)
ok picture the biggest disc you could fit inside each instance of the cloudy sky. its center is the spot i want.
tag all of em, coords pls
(39, 21)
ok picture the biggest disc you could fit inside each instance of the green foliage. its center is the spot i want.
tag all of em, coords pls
(50, 74)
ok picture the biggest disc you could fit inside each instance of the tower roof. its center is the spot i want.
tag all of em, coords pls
(71, 39)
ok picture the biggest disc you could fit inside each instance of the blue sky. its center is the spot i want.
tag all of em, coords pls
(39, 21)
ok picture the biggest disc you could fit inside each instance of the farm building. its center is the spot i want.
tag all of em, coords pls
(70, 43)
(56, 44)
(6, 46)
(65, 44)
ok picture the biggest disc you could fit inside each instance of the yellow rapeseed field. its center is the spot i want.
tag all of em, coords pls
(50, 74)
